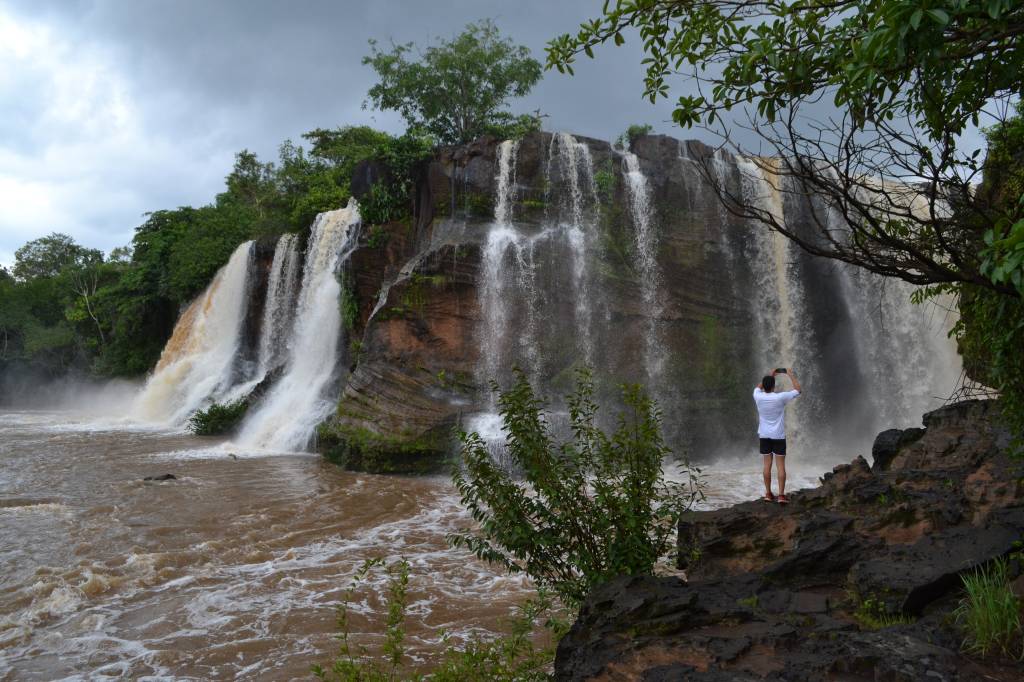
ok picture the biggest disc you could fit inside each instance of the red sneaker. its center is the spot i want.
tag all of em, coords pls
(769, 497)
(783, 500)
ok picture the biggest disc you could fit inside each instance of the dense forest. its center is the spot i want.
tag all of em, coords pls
(66, 308)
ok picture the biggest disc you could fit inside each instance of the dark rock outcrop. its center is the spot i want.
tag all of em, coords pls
(161, 477)
(799, 592)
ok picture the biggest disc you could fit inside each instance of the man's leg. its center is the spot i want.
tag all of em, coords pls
(780, 465)
(767, 474)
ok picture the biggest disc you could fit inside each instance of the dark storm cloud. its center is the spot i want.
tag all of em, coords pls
(149, 100)
(293, 66)
(111, 109)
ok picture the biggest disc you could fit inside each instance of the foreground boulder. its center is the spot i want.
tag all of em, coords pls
(855, 580)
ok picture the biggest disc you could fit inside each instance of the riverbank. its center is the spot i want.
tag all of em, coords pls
(856, 579)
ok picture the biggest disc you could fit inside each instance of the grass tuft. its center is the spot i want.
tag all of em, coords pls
(990, 613)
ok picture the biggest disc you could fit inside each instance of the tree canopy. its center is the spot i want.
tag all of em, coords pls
(49, 255)
(458, 89)
(905, 78)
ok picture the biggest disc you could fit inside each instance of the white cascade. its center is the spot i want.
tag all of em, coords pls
(507, 270)
(908, 364)
(279, 309)
(577, 172)
(779, 305)
(285, 419)
(645, 248)
(197, 364)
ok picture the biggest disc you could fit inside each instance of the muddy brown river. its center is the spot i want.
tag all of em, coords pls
(232, 571)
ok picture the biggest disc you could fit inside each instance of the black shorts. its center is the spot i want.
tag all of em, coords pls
(776, 446)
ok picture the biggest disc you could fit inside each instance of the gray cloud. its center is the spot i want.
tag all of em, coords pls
(117, 108)
(112, 109)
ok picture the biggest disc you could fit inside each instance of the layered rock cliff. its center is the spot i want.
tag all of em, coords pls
(556, 251)
(854, 580)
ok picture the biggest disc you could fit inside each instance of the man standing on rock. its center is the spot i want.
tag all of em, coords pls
(771, 429)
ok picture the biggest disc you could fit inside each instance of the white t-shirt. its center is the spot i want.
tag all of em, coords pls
(771, 412)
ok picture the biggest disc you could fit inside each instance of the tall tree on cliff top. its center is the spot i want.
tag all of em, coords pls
(458, 89)
(905, 78)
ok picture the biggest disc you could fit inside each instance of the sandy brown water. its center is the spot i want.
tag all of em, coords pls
(232, 571)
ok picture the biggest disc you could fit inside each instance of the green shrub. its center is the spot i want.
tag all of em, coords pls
(512, 657)
(872, 614)
(390, 198)
(377, 237)
(218, 418)
(604, 178)
(989, 612)
(584, 511)
(634, 131)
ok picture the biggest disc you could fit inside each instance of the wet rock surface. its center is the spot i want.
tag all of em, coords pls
(799, 592)
(415, 353)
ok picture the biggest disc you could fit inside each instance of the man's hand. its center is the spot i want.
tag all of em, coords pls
(792, 378)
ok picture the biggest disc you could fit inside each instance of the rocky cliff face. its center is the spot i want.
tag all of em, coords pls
(556, 251)
(799, 592)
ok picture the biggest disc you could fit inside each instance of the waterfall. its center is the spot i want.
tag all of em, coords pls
(647, 270)
(279, 309)
(907, 362)
(197, 363)
(510, 295)
(779, 302)
(577, 173)
(285, 419)
(507, 279)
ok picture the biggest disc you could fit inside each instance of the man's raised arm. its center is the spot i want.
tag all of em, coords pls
(796, 382)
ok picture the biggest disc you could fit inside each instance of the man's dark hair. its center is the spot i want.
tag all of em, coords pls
(768, 384)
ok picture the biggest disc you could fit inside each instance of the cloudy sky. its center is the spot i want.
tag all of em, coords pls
(112, 108)
(109, 109)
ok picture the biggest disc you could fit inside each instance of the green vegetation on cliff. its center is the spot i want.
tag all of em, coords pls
(360, 449)
(65, 308)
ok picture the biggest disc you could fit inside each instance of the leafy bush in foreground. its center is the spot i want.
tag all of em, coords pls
(218, 418)
(585, 511)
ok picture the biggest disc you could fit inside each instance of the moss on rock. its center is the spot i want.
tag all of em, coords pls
(359, 449)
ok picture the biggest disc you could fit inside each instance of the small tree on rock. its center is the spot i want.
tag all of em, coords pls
(457, 90)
